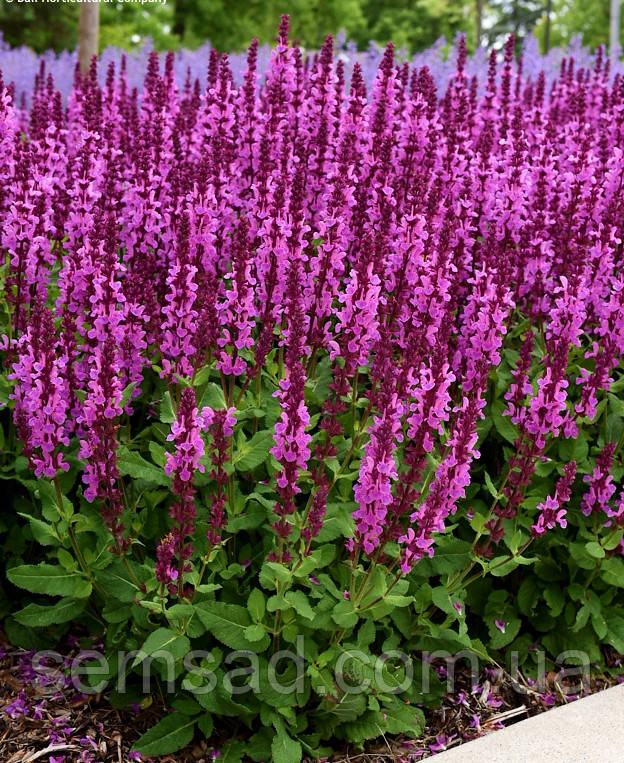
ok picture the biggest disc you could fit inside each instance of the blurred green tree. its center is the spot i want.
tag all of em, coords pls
(231, 24)
(513, 16)
(126, 25)
(571, 17)
(41, 26)
(415, 24)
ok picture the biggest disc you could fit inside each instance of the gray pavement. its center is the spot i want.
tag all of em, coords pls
(588, 730)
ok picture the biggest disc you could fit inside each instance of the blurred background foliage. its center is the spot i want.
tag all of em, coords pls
(231, 24)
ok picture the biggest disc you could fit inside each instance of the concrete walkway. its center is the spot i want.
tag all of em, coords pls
(590, 729)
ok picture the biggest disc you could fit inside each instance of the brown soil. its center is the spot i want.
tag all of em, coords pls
(89, 729)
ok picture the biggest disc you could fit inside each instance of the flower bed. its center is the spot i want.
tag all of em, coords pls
(310, 385)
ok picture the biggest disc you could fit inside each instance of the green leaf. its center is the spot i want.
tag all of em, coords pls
(232, 751)
(451, 555)
(491, 487)
(158, 454)
(284, 749)
(582, 617)
(212, 397)
(595, 550)
(614, 540)
(528, 596)
(186, 706)
(255, 632)
(166, 414)
(206, 725)
(338, 522)
(51, 580)
(201, 377)
(49, 502)
(221, 703)
(208, 588)
(501, 565)
(503, 424)
(344, 614)
(615, 633)
(272, 571)
(169, 735)
(67, 560)
(254, 452)
(258, 747)
(42, 532)
(127, 394)
(367, 727)
(254, 515)
(405, 719)
(227, 622)
(612, 571)
(133, 465)
(498, 639)
(300, 603)
(616, 405)
(114, 579)
(163, 640)
(575, 449)
(350, 707)
(599, 624)
(440, 597)
(478, 522)
(555, 599)
(40, 616)
(256, 604)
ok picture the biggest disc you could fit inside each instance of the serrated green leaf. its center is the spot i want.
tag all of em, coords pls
(528, 596)
(503, 424)
(166, 414)
(253, 452)
(51, 580)
(256, 604)
(595, 550)
(134, 465)
(344, 614)
(227, 623)
(300, 603)
(555, 599)
(206, 725)
(490, 486)
(255, 632)
(163, 640)
(284, 749)
(615, 630)
(498, 638)
(158, 454)
(42, 532)
(41, 616)
(116, 581)
(212, 397)
(405, 719)
(612, 571)
(49, 502)
(169, 735)
(127, 394)
(370, 726)
(186, 706)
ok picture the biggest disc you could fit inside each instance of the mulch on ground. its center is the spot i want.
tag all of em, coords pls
(43, 718)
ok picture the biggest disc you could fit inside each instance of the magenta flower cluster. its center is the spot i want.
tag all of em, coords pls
(369, 256)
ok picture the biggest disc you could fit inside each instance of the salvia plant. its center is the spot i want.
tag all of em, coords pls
(301, 364)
